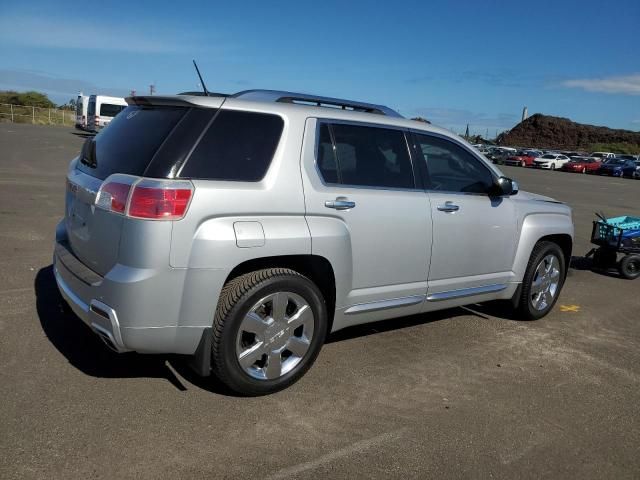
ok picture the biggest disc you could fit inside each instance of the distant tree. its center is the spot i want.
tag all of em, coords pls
(70, 105)
(30, 99)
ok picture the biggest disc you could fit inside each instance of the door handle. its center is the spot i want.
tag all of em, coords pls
(340, 203)
(448, 207)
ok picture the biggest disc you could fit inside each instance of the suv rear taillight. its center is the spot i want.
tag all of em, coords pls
(160, 199)
(145, 198)
(115, 195)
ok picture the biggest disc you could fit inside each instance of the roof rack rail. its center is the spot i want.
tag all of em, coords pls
(314, 100)
(202, 94)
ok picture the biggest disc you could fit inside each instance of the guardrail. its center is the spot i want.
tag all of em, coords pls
(36, 115)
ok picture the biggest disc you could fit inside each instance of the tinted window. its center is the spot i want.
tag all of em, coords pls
(130, 141)
(451, 168)
(327, 156)
(375, 157)
(110, 110)
(237, 146)
(91, 109)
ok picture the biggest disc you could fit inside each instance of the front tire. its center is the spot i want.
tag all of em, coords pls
(553, 166)
(268, 330)
(543, 281)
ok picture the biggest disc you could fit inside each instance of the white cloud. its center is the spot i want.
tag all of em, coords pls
(84, 34)
(625, 84)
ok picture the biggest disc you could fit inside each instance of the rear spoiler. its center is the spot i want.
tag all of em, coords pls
(175, 101)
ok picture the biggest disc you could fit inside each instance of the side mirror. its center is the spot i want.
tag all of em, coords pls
(506, 186)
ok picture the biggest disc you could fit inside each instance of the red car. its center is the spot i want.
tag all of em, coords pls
(581, 165)
(523, 158)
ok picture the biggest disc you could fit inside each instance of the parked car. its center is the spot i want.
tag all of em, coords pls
(628, 157)
(101, 110)
(242, 230)
(616, 167)
(581, 165)
(602, 156)
(523, 158)
(551, 161)
(632, 169)
(82, 103)
(499, 155)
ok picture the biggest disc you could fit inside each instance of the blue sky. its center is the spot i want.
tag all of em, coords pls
(476, 62)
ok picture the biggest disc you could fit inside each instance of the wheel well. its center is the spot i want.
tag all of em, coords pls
(317, 269)
(564, 242)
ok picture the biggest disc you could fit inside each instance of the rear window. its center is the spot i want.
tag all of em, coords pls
(130, 141)
(110, 110)
(91, 109)
(238, 146)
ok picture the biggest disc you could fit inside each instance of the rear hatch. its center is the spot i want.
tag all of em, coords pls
(130, 145)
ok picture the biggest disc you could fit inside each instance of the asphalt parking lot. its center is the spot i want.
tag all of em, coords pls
(464, 393)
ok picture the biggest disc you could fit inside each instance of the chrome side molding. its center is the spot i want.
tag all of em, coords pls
(384, 304)
(465, 292)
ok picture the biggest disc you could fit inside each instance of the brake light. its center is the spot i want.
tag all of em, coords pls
(145, 198)
(159, 203)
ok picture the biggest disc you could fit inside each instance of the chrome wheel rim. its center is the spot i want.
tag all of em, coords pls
(545, 282)
(274, 335)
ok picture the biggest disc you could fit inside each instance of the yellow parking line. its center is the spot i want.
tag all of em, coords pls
(570, 308)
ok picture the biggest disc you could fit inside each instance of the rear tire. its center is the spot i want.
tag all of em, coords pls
(268, 329)
(630, 267)
(543, 281)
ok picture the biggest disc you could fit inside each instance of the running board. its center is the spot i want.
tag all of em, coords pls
(465, 292)
(384, 304)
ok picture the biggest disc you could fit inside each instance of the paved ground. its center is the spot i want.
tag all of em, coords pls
(463, 393)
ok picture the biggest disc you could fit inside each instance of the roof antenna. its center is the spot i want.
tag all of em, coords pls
(204, 87)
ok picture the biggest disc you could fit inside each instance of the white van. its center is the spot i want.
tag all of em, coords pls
(101, 111)
(82, 102)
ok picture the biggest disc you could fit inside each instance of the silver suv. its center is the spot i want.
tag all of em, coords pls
(242, 229)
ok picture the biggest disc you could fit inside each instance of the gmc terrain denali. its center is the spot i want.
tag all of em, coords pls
(242, 229)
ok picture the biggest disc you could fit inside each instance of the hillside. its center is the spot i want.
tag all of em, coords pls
(555, 132)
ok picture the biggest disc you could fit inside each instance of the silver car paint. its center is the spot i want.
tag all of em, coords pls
(393, 254)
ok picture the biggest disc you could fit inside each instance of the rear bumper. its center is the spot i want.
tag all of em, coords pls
(101, 318)
(164, 310)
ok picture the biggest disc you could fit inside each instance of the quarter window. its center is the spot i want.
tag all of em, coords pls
(451, 168)
(365, 156)
(237, 146)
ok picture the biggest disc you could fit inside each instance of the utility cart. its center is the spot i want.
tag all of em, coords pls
(613, 236)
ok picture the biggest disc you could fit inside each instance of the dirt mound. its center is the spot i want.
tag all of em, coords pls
(556, 132)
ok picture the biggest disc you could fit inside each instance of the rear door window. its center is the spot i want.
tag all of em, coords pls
(366, 156)
(130, 141)
(327, 163)
(238, 146)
